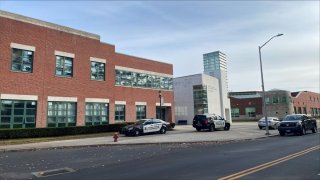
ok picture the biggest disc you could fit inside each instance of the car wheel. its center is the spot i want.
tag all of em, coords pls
(303, 131)
(136, 132)
(281, 133)
(314, 129)
(163, 130)
(227, 127)
(211, 128)
(198, 129)
(260, 127)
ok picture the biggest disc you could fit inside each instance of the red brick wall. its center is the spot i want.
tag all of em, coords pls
(43, 82)
(247, 102)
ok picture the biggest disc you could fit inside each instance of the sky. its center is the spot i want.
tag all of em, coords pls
(180, 32)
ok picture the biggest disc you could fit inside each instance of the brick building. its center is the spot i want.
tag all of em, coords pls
(249, 105)
(53, 76)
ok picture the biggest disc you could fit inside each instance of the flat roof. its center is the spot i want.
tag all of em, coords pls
(38, 22)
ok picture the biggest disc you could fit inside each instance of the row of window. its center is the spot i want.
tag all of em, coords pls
(22, 114)
(277, 100)
(134, 79)
(250, 112)
(303, 110)
(22, 61)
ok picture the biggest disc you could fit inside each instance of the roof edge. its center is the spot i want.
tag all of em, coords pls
(41, 23)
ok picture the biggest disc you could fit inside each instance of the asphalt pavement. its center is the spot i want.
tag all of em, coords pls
(180, 134)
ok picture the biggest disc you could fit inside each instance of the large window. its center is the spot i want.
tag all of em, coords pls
(235, 112)
(97, 113)
(18, 114)
(120, 113)
(250, 111)
(64, 66)
(133, 79)
(200, 99)
(22, 60)
(61, 114)
(97, 71)
(141, 111)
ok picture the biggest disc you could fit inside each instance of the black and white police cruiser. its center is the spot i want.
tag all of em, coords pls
(145, 126)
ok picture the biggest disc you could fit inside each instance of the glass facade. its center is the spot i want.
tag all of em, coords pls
(18, 114)
(141, 112)
(22, 60)
(61, 114)
(120, 112)
(133, 79)
(97, 113)
(200, 99)
(97, 71)
(64, 66)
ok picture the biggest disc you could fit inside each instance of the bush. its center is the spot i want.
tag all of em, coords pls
(58, 131)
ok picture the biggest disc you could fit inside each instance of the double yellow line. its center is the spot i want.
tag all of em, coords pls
(269, 164)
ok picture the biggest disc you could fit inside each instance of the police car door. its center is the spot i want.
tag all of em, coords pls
(220, 122)
(147, 126)
(156, 125)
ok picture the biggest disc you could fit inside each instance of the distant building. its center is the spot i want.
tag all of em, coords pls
(249, 105)
(203, 93)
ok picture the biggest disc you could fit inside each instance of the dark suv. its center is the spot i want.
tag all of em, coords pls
(298, 124)
(210, 122)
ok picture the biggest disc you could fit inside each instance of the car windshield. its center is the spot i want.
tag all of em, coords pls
(293, 118)
(263, 119)
(139, 122)
(200, 117)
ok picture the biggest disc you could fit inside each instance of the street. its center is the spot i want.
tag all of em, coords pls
(204, 160)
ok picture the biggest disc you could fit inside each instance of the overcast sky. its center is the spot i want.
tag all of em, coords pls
(179, 32)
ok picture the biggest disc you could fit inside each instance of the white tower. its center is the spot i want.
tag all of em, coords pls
(215, 65)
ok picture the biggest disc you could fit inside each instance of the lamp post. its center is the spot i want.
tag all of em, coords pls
(263, 92)
(160, 114)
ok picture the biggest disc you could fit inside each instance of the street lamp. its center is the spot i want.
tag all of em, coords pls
(263, 92)
(160, 96)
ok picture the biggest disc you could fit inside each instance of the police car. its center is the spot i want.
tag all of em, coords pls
(145, 126)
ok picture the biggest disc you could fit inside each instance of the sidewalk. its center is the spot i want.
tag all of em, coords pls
(181, 134)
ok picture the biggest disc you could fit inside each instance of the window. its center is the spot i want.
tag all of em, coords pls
(284, 100)
(97, 113)
(295, 110)
(275, 100)
(64, 66)
(141, 111)
(22, 60)
(120, 113)
(61, 114)
(97, 71)
(299, 110)
(18, 114)
(251, 111)
(235, 112)
(267, 100)
(304, 110)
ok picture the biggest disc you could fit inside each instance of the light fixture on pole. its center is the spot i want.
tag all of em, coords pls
(263, 92)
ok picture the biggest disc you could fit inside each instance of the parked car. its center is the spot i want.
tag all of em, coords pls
(210, 122)
(298, 124)
(145, 126)
(273, 122)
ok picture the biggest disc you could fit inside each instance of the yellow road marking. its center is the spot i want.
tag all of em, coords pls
(268, 164)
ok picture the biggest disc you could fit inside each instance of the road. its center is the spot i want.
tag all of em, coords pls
(253, 159)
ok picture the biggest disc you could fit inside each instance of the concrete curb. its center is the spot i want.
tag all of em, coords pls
(119, 144)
